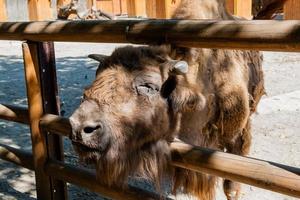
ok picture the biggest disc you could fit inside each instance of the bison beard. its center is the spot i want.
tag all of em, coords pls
(150, 162)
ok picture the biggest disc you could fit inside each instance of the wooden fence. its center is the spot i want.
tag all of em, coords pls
(47, 127)
(46, 9)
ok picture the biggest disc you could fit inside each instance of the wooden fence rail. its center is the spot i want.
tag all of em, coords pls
(17, 156)
(259, 173)
(263, 174)
(252, 35)
(87, 179)
(14, 113)
(75, 175)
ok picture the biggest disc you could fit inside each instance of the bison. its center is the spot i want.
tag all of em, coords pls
(144, 97)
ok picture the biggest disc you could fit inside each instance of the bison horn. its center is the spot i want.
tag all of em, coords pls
(98, 57)
(178, 67)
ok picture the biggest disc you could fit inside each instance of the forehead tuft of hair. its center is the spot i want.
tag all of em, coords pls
(133, 58)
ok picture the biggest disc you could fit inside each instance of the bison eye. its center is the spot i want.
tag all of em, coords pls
(147, 89)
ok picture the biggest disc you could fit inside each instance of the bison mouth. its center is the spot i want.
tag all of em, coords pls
(84, 148)
(88, 156)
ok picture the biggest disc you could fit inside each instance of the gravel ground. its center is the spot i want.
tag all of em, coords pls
(275, 125)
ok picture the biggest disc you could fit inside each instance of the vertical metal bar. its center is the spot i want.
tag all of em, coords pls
(51, 105)
(35, 109)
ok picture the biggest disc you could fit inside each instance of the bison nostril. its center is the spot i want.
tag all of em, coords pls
(90, 129)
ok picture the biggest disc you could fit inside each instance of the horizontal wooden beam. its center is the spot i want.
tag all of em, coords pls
(72, 174)
(252, 35)
(87, 178)
(263, 174)
(56, 124)
(16, 156)
(259, 173)
(14, 113)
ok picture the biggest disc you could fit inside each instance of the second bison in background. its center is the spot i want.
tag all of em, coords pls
(144, 97)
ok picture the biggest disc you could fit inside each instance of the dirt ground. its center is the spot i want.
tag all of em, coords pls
(276, 124)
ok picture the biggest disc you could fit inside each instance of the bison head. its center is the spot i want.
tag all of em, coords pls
(131, 112)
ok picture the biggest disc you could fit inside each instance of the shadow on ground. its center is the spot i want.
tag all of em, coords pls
(73, 74)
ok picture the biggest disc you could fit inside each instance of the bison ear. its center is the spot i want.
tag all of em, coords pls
(182, 97)
(98, 57)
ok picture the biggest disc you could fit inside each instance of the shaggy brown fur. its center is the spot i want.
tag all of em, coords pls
(234, 80)
(143, 98)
